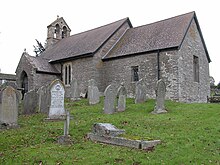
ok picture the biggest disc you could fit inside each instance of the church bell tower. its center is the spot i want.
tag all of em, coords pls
(56, 31)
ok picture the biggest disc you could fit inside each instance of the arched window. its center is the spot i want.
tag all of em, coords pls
(64, 32)
(57, 31)
(67, 74)
(24, 83)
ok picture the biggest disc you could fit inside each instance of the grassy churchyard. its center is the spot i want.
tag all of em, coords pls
(190, 134)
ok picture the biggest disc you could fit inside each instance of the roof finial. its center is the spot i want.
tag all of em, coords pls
(57, 16)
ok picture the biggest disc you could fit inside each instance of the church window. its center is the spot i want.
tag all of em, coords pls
(134, 73)
(67, 74)
(64, 32)
(196, 68)
(57, 31)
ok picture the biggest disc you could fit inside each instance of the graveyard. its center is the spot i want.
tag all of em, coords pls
(189, 134)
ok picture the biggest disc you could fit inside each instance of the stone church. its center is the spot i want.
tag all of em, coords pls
(172, 49)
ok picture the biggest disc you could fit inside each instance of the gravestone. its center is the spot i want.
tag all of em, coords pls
(74, 90)
(30, 102)
(44, 99)
(8, 107)
(140, 92)
(121, 98)
(56, 109)
(109, 102)
(9, 83)
(160, 97)
(93, 93)
(109, 134)
(106, 129)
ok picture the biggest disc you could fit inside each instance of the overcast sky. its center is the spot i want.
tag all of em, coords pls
(23, 21)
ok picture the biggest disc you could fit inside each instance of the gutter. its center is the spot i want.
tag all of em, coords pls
(158, 64)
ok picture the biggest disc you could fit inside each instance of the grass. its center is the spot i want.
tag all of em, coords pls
(190, 134)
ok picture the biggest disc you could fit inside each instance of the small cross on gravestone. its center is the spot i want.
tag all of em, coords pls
(65, 138)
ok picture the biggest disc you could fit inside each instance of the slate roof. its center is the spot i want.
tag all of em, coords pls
(160, 35)
(82, 44)
(41, 64)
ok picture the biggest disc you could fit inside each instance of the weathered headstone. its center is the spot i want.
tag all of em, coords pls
(56, 110)
(140, 92)
(106, 129)
(44, 99)
(121, 98)
(9, 83)
(93, 93)
(30, 102)
(109, 102)
(74, 90)
(8, 107)
(160, 97)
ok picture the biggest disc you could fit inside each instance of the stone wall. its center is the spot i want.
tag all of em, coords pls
(42, 79)
(25, 66)
(121, 70)
(169, 73)
(190, 91)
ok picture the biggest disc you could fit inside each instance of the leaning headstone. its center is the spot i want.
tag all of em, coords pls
(44, 99)
(106, 129)
(160, 97)
(109, 134)
(74, 90)
(56, 109)
(121, 98)
(93, 93)
(8, 108)
(140, 92)
(30, 102)
(109, 102)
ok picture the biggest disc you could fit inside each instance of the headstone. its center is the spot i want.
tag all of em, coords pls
(74, 90)
(121, 98)
(8, 107)
(9, 83)
(109, 102)
(107, 129)
(44, 99)
(93, 93)
(140, 92)
(160, 97)
(30, 102)
(56, 109)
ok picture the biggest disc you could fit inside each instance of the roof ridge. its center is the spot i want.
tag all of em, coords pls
(100, 27)
(192, 12)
